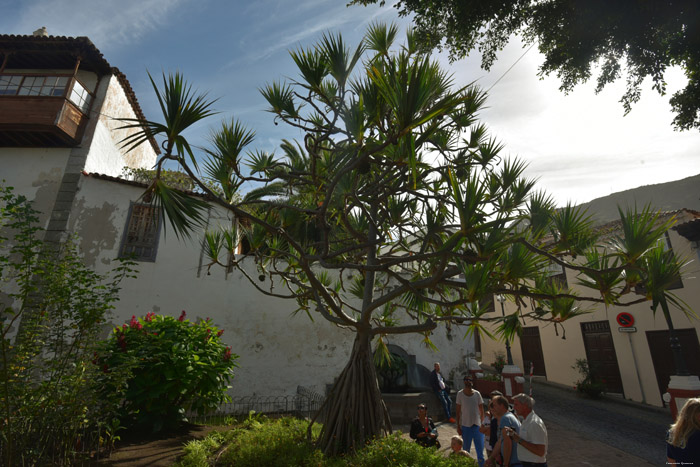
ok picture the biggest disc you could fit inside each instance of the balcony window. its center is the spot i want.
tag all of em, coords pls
(43, 86)
(9, 84)
(52, 86)
(80, 97)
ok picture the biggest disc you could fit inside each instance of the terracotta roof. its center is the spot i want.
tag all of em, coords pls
(143, 185)
(51, 52)
(61, 52)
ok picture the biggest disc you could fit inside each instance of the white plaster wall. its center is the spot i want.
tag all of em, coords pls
(35, 173)
(561, 354)
(106, 155)
(278, 351)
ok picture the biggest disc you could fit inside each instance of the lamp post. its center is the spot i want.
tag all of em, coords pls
(501, 299)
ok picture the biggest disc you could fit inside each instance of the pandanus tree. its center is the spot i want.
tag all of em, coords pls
(394, 213)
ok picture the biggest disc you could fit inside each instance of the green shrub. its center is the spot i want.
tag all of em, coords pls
(52, 312)
(394, 451)
(282, 442)
(173, 366)
(588, 384)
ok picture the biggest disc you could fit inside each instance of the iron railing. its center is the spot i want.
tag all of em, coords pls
(305, 404)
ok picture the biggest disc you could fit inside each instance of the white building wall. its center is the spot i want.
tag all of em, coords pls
(106, 155)
(278, 351)
(35, 173)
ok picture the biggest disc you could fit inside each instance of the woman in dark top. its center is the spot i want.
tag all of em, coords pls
(423, 429)
(683, 443)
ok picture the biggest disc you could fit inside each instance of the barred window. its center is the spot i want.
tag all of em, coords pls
(142, 232)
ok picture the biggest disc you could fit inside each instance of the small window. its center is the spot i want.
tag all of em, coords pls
(142, 232)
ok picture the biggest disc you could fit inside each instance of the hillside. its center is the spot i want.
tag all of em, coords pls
(668, 196)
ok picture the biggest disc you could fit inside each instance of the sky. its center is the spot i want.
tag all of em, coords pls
(580, 146)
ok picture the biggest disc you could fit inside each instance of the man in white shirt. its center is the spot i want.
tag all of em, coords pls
(470, 416)
(533, 434)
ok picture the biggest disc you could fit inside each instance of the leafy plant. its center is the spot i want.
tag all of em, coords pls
(500, 361)
(492, 377)
(588, 384)
(390, 371)
(53, 312)
(173, 365)
(282, 442)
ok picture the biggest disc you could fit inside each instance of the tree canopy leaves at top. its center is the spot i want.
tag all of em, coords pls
(394, 213)
(636, 38)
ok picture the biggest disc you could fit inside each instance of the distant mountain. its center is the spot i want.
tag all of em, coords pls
(664, 196)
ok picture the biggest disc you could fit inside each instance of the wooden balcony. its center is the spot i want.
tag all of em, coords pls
(42, 116)
(32, 121)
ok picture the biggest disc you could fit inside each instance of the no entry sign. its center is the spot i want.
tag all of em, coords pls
(625, 320)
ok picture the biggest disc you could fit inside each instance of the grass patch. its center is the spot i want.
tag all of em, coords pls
(258, 442)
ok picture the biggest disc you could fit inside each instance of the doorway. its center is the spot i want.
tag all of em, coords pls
(531, 345)
(601, 355)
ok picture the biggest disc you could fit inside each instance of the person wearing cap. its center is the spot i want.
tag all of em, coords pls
(423, 429)
(532, 438)
(470, 416)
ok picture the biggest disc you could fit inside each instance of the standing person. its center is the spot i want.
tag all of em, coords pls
(423, 429)
(442, 391)
(533, 433)
(683, 443)
(508, 426)
(485, 429)
(492, 432)
(470, 416)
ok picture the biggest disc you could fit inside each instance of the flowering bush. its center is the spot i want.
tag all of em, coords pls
(173, 365)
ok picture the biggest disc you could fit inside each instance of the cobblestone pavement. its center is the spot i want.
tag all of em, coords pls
(585, 432)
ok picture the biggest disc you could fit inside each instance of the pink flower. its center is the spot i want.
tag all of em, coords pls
(134, 323)
(149, 316)
(182, 316)
(218, 334)
(227, 354)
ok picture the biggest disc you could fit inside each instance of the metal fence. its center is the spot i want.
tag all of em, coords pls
(305, 403)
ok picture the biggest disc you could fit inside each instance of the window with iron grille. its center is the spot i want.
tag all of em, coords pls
(142, 231)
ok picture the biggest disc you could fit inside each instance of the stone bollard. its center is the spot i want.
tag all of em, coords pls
(513, 380)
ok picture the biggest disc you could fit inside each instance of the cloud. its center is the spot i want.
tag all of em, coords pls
(107, 23)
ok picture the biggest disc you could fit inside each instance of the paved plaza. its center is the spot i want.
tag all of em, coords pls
(586, 432)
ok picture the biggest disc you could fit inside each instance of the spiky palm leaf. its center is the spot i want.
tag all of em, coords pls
(181, 108)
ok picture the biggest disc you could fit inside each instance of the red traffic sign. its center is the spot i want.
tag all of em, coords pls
(625, 320)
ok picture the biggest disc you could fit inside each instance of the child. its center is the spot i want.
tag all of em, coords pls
(456, 445)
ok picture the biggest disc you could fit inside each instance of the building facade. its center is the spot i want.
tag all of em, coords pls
(627, 346)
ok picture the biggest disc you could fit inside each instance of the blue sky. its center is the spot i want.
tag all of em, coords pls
(580, 145)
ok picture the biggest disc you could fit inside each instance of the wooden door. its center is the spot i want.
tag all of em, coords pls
(531, 345)
(600, 352)
(662, 357)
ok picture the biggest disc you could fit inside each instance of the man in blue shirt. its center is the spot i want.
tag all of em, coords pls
(508, 424)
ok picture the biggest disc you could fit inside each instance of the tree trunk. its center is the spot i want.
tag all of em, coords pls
(355, 410)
